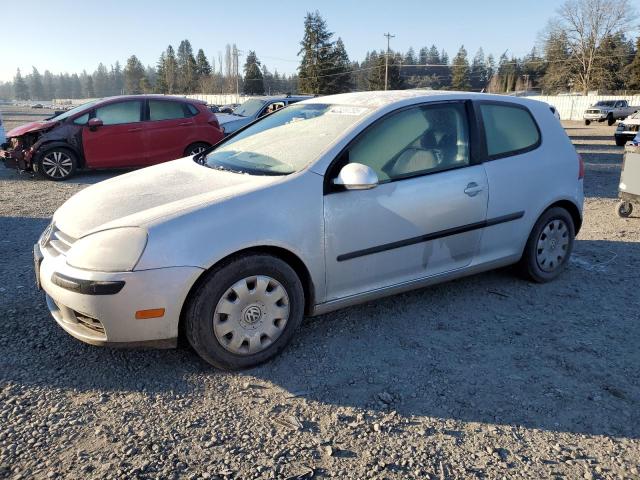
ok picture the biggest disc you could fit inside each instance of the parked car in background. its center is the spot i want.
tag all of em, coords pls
(609, 110)
(116, 132)
(228, 108)
(3, 137)
(327, 203)
(627, 129)
(255, 108)
(37, 105)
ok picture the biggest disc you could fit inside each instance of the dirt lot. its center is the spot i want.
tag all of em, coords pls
(486, 377)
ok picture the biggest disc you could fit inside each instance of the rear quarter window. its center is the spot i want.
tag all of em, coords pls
(509, 130)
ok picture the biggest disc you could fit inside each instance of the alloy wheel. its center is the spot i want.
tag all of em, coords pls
(552, 245)
(57, 164)
(251, 315)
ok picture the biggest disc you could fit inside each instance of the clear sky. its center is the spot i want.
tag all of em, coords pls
(69, 36)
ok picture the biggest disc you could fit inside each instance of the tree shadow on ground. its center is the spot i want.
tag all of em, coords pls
(490, 348)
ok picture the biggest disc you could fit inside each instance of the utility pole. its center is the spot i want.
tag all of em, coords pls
(386, 60)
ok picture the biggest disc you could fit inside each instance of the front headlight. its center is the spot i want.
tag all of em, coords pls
(115, 250)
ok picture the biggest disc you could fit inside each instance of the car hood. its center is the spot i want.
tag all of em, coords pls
(228, 117)
(30, 127)
(143, 196)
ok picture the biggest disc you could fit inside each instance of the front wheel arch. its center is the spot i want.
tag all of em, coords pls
(282, 253)
(44, 147)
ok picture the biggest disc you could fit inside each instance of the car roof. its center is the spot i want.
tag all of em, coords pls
(281, 97)
(149, 96)
(381, 99)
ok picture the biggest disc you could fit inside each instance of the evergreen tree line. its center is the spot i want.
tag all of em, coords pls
(562, 63)
(176, 72)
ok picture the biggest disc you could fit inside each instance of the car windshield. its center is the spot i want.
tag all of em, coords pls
(249, 108)
(73, 111)
(605, 104)
(285, 141)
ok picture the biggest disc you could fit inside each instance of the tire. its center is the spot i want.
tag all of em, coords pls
(549, 246)
(57, 164)
(195, 148)
(233, 321)
(610, 120)
(621, 142)
(587, 122)
(624, 209)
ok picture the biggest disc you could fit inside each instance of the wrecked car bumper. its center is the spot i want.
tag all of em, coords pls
(16, 159)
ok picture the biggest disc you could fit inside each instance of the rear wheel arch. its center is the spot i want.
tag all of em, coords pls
(573, 210)
(283, 254)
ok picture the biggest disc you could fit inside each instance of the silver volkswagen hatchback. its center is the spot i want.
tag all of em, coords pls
(330, 202)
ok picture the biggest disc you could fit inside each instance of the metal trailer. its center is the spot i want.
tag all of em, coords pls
(629, 189)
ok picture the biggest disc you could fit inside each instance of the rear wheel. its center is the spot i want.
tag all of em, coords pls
(624, 209)
(245, 311)
(196, 148)
(549, 246)
(57, 163)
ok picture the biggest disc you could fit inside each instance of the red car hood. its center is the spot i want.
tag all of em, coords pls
(30, 127)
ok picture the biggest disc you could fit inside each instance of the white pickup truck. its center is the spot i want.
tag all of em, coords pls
(609, 110)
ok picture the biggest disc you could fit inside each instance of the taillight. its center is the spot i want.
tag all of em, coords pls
(580, 167)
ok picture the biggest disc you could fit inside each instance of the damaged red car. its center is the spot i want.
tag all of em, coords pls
(116, 132)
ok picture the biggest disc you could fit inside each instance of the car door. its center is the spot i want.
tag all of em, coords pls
(168, 130)
(521, 176)
(425, 216)
(118, 142)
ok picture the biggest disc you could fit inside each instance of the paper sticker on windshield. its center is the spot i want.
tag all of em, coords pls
(343, 110)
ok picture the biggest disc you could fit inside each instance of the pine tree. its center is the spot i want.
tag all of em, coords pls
(317, 52)
(632, 71)
(340, 80)
(116, 79)
(187, 68)
(203, 67)
(559, 71)
(35, 85)
(20, 88)
(133, 75)
(75, 86)
(460, 75)
(377, 73)
(101, 81)
(479, 74)
(170, 70)
(253, 78)
(161, 81)
(48, 86)
(89, 89)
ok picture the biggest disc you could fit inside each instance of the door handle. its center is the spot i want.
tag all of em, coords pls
(473, 189)
(135, 129)
(184, 124)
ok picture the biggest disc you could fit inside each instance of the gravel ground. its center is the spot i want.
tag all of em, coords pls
(485, 377)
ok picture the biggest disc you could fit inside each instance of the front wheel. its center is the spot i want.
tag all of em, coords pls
(620, 141)
(57, 163)
(245, 311)
(549, 246)
(610, 120)
(624, 209)
(196, 148)
(587, 122)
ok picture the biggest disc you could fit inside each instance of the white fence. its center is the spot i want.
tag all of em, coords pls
(572, 107)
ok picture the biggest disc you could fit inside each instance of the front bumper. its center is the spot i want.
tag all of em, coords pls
(16, 159)
(111, 319)
(595, 117)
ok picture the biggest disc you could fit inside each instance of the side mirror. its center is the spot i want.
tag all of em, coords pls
(94, 123)
(356, 176)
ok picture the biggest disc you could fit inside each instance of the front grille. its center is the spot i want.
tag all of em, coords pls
(58, 242)
(88, 322)
(593, 111)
